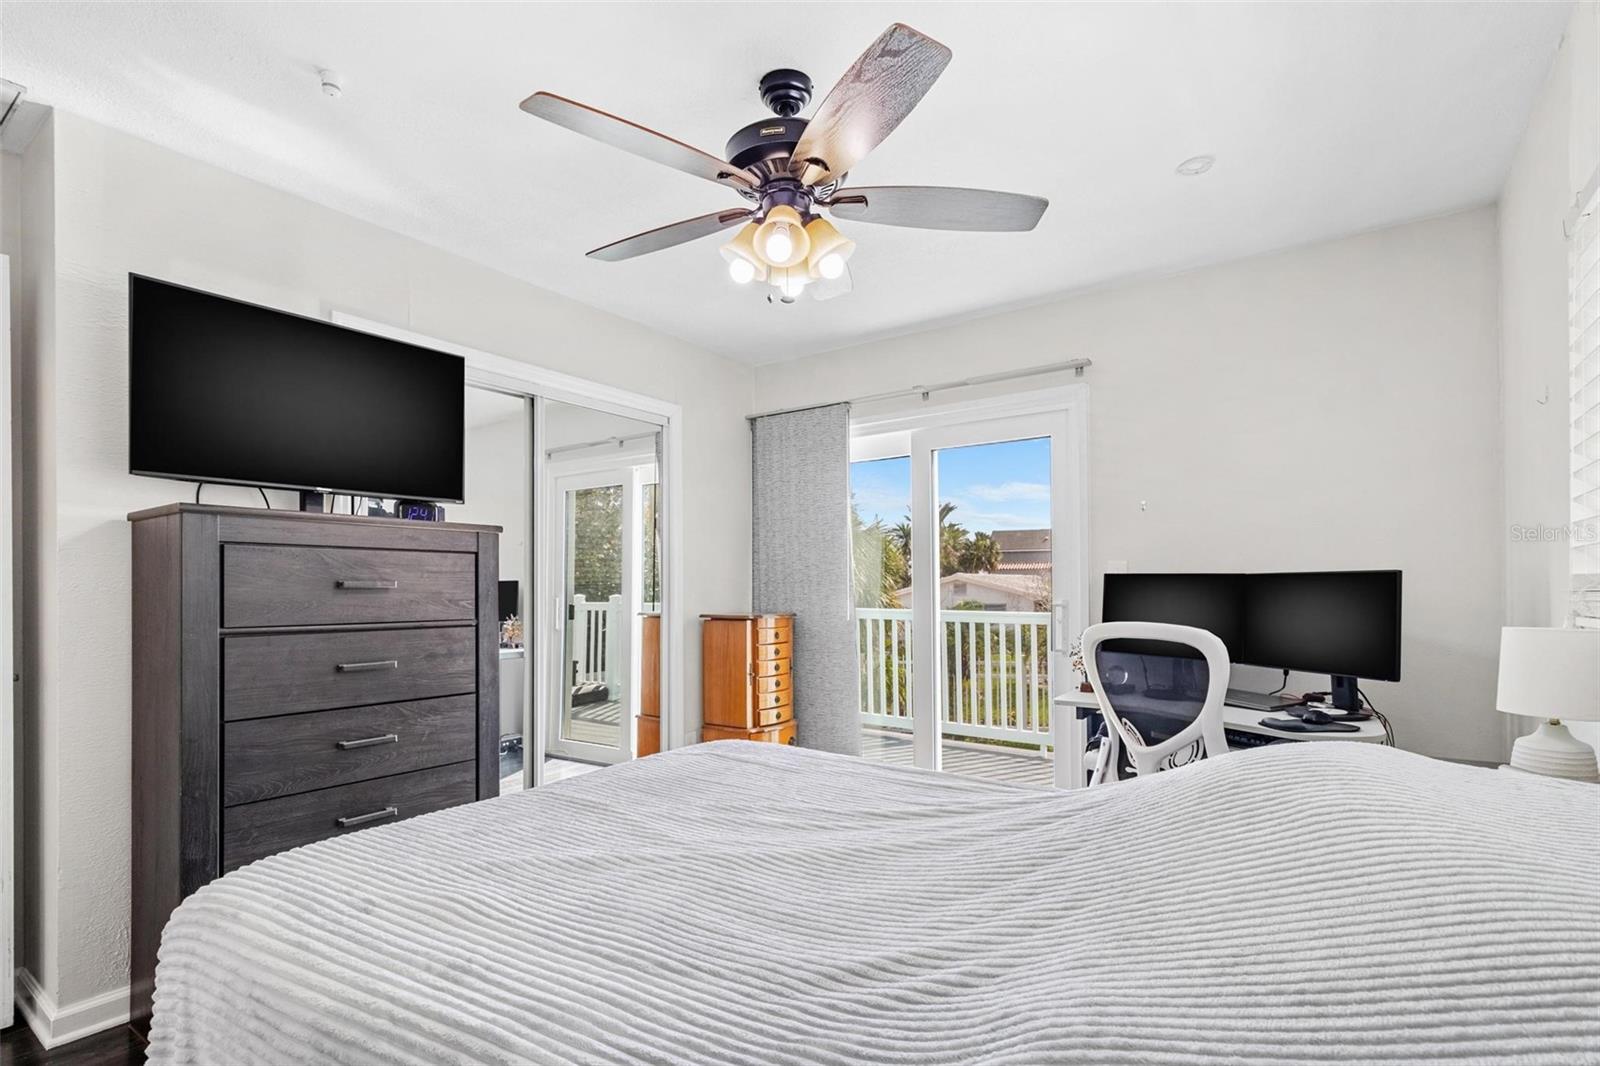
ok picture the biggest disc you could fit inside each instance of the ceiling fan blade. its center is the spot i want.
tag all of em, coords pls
(938, 207)
(825, 289)
(654, 240)
(872, 98)
(632, 137)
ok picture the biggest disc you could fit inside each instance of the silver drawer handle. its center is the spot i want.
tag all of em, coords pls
(367, 742)
(379, 664)
(344, 583)
(362, 819)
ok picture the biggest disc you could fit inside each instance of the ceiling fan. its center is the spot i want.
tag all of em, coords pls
(790, 167)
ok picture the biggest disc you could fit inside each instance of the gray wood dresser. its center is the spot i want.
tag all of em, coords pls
(296, 677)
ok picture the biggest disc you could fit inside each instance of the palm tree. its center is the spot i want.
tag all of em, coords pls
(980, 555)
(879, 570)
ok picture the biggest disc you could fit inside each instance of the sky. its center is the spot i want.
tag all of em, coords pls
(994, 486)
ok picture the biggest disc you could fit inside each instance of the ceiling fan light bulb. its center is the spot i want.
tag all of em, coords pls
(781, 240)
(780, 246)
(830, 249)
(744, 264)
(790, 281)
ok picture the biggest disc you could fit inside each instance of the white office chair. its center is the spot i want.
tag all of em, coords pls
(1151, 677)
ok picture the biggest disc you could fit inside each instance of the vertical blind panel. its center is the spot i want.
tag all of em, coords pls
(802, 564)
(1584, 303)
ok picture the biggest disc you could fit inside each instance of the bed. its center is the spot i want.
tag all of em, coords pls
(746, 903)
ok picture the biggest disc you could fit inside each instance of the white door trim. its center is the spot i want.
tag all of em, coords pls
(487, 370)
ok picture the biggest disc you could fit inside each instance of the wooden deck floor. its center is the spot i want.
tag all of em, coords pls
(987, 761)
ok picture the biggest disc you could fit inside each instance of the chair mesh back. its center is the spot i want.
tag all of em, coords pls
(1156, 695)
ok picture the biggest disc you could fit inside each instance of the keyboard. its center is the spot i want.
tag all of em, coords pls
(1238, 738)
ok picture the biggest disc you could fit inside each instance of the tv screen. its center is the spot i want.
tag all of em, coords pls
(224, 391)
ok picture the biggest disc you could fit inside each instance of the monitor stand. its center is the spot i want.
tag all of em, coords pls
(1345, 696)
(1256, 701)
(313, 502)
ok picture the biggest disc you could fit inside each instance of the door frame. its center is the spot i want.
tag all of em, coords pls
(1062, 414)
(500, 373)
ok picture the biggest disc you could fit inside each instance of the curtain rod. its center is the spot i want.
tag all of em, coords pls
(1077, 366)
(618, 441)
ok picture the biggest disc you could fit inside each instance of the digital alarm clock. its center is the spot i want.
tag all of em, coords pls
(419, 511)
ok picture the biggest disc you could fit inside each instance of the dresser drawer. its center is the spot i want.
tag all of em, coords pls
(283, 673)
(263, 758)
(774, 632)
(778, 683)
(768, 700)
(778, 734)
(772, 652)
(772, 667)
(256, 830)
(284, 585)
(765, 716)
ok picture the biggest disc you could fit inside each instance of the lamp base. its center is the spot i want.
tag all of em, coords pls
(1553, 751)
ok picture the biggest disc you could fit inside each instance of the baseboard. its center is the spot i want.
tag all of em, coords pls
(55, 1025)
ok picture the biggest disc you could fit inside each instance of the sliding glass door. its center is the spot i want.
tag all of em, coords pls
(959, 660)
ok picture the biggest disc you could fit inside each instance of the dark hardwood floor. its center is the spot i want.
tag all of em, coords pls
(115, 1047)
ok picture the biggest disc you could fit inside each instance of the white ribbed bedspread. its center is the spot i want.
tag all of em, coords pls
(747, 903)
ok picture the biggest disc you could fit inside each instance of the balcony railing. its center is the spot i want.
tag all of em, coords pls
(596, 627)
(996, 673)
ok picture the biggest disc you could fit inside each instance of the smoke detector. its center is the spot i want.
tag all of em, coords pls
(330, 83)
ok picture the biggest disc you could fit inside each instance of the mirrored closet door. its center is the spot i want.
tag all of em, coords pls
(600, 543)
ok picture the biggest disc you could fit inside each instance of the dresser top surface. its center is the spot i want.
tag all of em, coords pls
(301, 516)
(743, 617)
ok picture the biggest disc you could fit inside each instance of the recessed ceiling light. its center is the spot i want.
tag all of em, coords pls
(1194, 166)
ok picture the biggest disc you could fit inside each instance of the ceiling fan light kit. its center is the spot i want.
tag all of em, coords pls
(790, 167)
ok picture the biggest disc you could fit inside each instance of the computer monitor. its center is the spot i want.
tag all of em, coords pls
(510, 595)
(1344, 623)
(1212, 602)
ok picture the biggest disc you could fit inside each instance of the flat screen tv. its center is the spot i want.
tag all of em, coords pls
(229, 392)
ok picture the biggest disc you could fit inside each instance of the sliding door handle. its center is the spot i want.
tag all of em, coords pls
(361, 668)
(1059, 621)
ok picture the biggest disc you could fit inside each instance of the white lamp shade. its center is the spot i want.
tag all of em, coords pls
(1550, 673)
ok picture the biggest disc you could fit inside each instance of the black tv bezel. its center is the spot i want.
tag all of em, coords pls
(1399, 606)
(196, 479)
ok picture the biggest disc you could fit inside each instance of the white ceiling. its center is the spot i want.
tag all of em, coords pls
(1325, 119)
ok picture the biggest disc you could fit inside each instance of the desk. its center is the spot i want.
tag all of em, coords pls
(1070, 735)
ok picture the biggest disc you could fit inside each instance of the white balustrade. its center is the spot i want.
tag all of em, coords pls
(596, 629)
(996, 673)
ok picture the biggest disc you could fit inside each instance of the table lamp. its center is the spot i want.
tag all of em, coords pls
(1551, 674)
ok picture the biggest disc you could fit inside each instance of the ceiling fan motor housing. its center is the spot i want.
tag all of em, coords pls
(769, 141)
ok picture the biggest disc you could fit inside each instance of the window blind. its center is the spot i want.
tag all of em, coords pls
(1584, 301)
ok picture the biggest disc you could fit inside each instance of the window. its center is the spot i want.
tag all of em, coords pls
(1584, 296)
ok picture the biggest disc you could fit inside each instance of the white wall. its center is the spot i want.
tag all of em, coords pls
(125, 205)
(498, 486)
(1329, 407)
(1559, 152)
